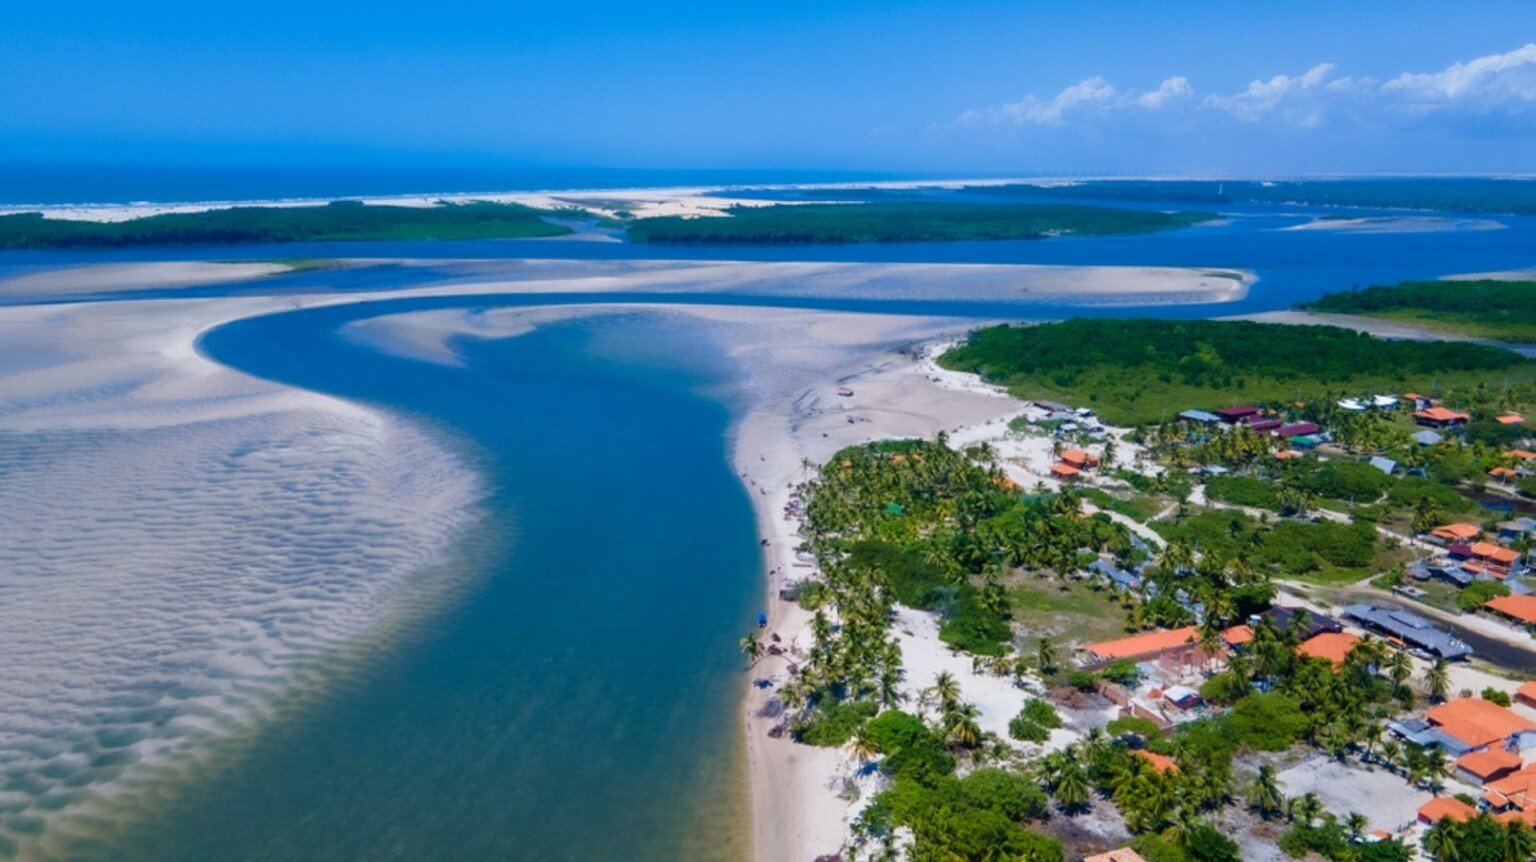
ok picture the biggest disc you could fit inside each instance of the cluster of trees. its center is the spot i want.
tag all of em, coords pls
(1292, 548)
(1481, 839)
(1468, 195)
(1143, 371)
(339, 220)
(901, 221)
(1489, 308)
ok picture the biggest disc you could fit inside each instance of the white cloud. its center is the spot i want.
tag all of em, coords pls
(1496, 84)
(1496, 78)
(1169, 90)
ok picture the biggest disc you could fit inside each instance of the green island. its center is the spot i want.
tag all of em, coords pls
(336, 221)
(1134, 372)
(1482, 308)
(902, 221)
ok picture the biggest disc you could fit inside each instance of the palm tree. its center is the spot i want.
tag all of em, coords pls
(1441, 841)
(752, 648)
(1438, 679)
(863, 747)
(1306, 808)
(1519, 842)
(1264, 793)
(1072, 786)
(1355, 824)
(1400, 667)
(960, 725)
(947, 690)
(1045, 656)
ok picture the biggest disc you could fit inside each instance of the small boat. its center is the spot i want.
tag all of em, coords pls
(762, 621)
(845, 392)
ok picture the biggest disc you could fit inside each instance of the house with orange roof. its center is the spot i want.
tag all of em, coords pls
(1515, 608)
(1159, 762)
(1521, 454)
(1479, 724)
(1510, 419)
(1515, 790)
(1458, 532)
(1065, 471)
(1440, 417)
(1519, 815)
(1329, 646)
(1526, 693)
(1497, 558)
(1441, 807)
(1236, 636)
(1149, 645)
(1124, 854)
(1507, 474)
(1080, 459)
(1288, 455)
(1481, 767)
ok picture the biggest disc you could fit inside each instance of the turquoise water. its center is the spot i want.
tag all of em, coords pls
(579, 703)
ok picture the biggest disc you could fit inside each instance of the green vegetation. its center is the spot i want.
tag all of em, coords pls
(1481, 839)
(339, 220)
(1034, 722)
(833, 723)
(1477, 594)
(1485, 308)
(804, 224)
(1143, 371)
(1460, 194)
(1244, 491)
(1323, 551)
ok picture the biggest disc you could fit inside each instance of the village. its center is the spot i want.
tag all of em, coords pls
(1390, 579)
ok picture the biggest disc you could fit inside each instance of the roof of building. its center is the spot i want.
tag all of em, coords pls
(1527, 689)
(1523, 815)
(1426, 437)
(1124, 854)
(1477, 722)
(1288, 455)
(1199, 416)
(1518, 787)
(1522, 454)
(1237, 635)
(1488, 764)
(1503, 473)
(1458, 531)
(1510, 419)
(1410, 628)
(1332, 646)
(1522, 608)
(1441, 807)
(1441, 414)
(1496, 553)
(1264, 424)
(1065, 470)
(1385, 465)
(1079, 458)
(1144, 644)
(1296, 429)
(1159, 762)
(1237, 412)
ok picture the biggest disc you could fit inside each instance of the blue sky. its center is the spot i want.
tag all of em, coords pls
(954, 87)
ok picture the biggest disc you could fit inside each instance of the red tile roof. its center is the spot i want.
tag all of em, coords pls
(1144, 644)
(1124, 854)
(1159, 762)
(1439, 808)
(1510, 419)
(1494, 763)
(1496, 553)
(1477, 722)
(1066, 471)
(1522, 608)
(1441, 414)
(1454, 532)
(1237, 635)
(1333, 646)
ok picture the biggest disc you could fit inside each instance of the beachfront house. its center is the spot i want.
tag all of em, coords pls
(1176, 646)
(1517, 609)
(1467, 725)
(1456, 533)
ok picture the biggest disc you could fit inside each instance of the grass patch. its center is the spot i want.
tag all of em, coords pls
(1071, 610)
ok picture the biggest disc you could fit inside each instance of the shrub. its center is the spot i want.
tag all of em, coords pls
(1134, 724)
(1493, 695)
(1122, 671)
(1244, 491)
(834, 724)
(911, 750)
(1478, 593)
(1007, 793)
(1081, 680)
(1267, 722)
(1041, 713)
(1024, 729)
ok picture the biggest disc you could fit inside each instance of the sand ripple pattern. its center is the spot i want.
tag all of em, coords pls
(159, 586)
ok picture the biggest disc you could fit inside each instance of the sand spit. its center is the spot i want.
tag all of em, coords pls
(112, 277)
(1397, 224)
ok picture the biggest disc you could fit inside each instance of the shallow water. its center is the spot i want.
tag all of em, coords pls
(577, 705)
